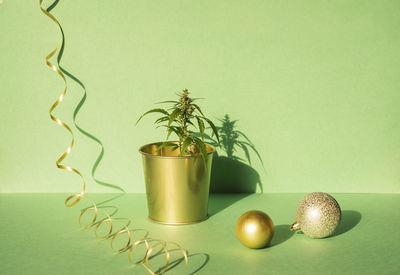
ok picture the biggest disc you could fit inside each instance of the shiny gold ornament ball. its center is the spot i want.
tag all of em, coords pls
(255, 229)
(317, 215)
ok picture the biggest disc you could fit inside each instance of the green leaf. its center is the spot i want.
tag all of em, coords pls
(168, 101)
(185, 145)
(212, 127)
(166, 144)
(161, 119)
(209, 137)
(174, 115)
(170, 130)
(201, 127)
(209, 141)
(174, 129)
(198, 108)
(203, 150)
(153, 111)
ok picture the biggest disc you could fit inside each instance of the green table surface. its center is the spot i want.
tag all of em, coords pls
(39, 235)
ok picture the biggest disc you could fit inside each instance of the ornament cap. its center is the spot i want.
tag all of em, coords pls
(295, 226)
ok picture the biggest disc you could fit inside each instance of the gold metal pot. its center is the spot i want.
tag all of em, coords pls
(177, 187)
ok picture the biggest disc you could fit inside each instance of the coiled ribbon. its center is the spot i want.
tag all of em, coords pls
(76, 198)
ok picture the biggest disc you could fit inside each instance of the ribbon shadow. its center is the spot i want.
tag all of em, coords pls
(197, 262)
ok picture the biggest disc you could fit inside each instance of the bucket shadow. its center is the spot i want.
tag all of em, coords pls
(218, 202)
(232, 176)
(350, 219)
(231, 180)
(281, 234)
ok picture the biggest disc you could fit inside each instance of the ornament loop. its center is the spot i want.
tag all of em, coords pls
(295, 227)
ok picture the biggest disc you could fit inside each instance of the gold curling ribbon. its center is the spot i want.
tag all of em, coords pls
(76, 198)
(61, 123)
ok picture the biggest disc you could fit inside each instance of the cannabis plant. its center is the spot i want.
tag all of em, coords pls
(182, 119)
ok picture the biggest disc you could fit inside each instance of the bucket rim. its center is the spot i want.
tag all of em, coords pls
(212, 150)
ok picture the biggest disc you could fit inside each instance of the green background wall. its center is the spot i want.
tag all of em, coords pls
(314, 84)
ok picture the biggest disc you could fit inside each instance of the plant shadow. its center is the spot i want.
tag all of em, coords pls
(281, 234)
(350, 219)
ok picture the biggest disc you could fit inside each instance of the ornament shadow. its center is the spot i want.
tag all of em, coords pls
(281, 234)
(350, 219)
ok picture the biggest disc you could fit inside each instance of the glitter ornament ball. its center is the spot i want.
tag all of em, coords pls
(255, 229)
(317, 215)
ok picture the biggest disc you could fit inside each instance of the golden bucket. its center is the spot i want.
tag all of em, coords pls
(177, 187)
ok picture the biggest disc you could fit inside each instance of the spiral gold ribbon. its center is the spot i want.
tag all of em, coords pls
(58, 121)
(76, 198)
